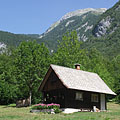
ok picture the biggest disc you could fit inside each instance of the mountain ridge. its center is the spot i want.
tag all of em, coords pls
(68, 15)
(80, 12)
(81, 20)
(99, 29)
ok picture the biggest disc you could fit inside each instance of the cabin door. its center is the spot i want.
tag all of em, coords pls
(102, 102)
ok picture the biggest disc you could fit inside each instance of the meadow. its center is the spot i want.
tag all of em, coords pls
(10, 112)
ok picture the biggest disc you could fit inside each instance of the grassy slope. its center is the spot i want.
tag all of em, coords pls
(12, 113)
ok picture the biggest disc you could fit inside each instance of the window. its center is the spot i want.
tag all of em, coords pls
(94, 97)
(79, 96)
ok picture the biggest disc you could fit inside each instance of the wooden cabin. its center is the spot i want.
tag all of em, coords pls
(74, 88)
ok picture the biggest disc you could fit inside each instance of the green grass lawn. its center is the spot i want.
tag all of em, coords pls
(13, 113)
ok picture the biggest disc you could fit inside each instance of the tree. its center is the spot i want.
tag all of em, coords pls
(31, 61)
(116, 74)
(99, 65)
(69, 51)
(8, 87)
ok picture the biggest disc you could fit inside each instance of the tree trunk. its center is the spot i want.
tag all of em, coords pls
(30, 97)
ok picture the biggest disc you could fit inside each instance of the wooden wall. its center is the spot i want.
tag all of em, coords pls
(55, 96)
(71, 102)
(53, 83)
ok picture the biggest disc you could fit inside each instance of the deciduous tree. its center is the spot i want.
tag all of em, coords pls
(31, 61)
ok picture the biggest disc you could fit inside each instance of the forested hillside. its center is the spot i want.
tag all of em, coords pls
(22, 71)
(107, 33)
(11, 39)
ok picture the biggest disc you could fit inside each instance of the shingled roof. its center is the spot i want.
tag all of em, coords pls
(80, 80)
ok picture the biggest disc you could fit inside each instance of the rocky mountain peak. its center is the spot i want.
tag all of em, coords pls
(81, 12)
(72, 14)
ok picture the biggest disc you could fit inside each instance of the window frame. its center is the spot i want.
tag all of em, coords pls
(79, 96)
(94, 97)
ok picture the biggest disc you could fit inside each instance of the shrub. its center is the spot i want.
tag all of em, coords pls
(55, 107)
(39, 107)
(57, 110)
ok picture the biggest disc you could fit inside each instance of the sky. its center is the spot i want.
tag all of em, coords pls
(36, 16)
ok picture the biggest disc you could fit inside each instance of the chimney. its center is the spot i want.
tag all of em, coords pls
(77, 66)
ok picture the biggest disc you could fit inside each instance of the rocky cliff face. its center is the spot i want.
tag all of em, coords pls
(2, 47)
(106, 33)
(102, 26)
(109, 22)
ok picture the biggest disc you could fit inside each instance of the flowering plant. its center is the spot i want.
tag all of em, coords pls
(39, 106)
(46, 106)
(53, 106)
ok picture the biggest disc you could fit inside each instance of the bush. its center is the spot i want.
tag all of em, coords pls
(57, 110)
(55, 107)
(39, 107)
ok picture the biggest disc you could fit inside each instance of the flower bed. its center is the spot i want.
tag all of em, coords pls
(46, 108)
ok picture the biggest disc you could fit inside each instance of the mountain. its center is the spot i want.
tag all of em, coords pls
(8, 39)
(109, 22)
(99, 28)
(106, 33)
(81, 20)
(33, 35)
